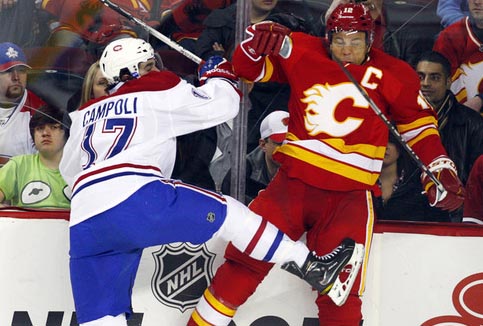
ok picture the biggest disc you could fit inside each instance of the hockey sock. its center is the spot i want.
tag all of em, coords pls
(258, 238)
(211, 311)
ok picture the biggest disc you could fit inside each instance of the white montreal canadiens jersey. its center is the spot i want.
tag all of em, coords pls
(119, 143)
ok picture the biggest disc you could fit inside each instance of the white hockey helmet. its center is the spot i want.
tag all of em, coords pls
(123, 56)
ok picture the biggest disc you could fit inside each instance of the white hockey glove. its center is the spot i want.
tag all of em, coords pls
(453, 195)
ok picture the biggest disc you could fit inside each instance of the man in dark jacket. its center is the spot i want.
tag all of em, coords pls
(461, 128)
(402, 197)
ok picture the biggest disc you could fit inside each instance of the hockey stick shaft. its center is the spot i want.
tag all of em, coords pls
(163, 38)
(391, 127)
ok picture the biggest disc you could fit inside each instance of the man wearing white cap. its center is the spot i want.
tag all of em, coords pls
(261, 167)
(273, 130)
(17, 104)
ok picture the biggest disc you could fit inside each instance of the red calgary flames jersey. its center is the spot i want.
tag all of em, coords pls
(94, 21)
(335, 140)
(463, 49)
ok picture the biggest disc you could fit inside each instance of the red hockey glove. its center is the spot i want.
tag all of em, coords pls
(217, 67)
(444, 170)
(265, 38)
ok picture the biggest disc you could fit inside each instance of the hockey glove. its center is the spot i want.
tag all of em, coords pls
(217, 67)
(444, 170)
(265, 38)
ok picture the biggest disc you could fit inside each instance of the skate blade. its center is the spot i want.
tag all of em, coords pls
(340, 290)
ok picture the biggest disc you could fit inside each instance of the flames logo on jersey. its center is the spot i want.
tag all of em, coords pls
(467, 81)
(322, 102)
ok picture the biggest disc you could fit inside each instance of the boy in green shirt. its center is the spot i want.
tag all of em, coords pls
(34, 180)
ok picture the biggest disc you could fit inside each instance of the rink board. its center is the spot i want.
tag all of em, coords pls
(418, 274)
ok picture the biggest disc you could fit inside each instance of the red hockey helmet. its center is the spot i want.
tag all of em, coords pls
(350, 17)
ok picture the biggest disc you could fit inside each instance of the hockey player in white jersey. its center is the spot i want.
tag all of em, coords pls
(118, 161)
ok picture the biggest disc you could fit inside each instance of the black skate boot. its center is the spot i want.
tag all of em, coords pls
(322, 272)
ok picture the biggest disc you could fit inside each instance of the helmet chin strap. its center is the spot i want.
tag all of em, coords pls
(368, 51)
(132, 76)
(114, 87)
(159, 61)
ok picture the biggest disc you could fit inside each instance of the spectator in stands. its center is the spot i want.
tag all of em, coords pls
(218, 38)
(218, 35)
(91, 25)
(461, 128)
(183, 22)
(7, 4)
(34, 180)
(261, 167)
(401, 193)
(94, 86)
(17, 104)
(461, 44)
(473, 206)
(450, 11)
(22, 23)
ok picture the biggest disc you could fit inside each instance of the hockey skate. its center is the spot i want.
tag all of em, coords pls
(322, 272)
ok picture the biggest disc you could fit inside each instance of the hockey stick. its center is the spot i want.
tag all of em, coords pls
(163, 38)
(43, 113)
(392, 129)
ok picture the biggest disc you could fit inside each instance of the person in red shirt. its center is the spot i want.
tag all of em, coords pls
(473, 206)
(78, 23)
(462, 43)
(333, 152)
(183, 20)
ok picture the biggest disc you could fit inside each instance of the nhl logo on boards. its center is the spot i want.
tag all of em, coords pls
(181, 275)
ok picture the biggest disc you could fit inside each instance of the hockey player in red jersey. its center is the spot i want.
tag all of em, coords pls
(123, 146)
(333, 152)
